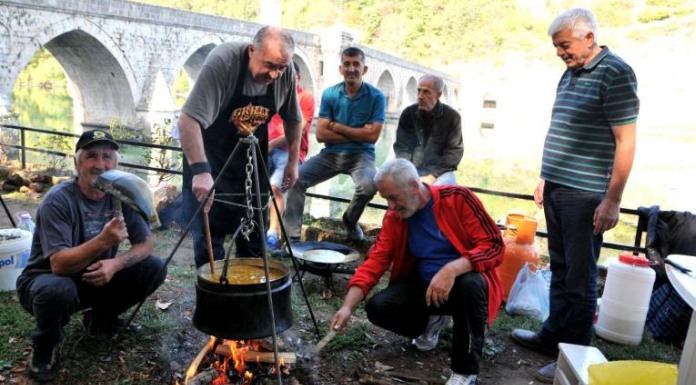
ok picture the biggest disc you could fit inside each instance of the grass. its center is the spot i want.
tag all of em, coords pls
(85, 355)
(648, 350)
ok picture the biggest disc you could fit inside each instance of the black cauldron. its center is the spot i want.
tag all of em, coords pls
(240, 311)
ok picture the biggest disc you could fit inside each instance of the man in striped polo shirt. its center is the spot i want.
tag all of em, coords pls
(588, 155)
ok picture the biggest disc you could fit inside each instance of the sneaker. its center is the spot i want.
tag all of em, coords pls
(461, 379)
(101, 324)
(354, 233)
(428, 340)
(43, 364)
(272, 240)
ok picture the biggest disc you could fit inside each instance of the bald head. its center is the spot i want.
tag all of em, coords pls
(270, 54)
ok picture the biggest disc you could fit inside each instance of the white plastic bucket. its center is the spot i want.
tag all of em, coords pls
(626, 300)
(14, 255)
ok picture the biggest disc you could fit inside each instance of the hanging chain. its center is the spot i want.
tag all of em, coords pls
(249, 220)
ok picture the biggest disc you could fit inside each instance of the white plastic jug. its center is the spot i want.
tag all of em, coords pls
(14, 254)
(626, 299)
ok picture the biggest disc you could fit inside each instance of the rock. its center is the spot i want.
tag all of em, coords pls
(39, 187)
(59, 179)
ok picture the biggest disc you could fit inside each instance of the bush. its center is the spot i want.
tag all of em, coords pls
(653, 14)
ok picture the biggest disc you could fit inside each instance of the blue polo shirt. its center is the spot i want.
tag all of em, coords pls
(580, 146)
(367, 106)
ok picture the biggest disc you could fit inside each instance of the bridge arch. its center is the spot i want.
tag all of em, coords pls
(386, 84)
(307, 76)
(192, 60)
(85, 53)
(410, 92)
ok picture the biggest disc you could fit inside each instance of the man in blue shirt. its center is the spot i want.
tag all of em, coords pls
(351, 116)
(588, 155)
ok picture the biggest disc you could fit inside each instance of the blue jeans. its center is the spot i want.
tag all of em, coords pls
(445, 178)
(401, 308)
(54, 299)
(277, 160)
(574, 252)
(324, 166)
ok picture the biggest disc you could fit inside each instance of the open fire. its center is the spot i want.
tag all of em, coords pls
(224, 362)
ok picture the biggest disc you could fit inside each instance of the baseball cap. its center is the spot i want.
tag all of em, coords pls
(89, 137)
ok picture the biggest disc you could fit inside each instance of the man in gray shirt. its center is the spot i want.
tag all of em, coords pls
(240, 87)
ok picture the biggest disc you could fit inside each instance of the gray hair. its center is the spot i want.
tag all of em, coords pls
(437, 81)
(400, 170)
(270, 33)
(581, 21)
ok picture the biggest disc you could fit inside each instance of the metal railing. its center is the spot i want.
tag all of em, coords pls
(635, 248)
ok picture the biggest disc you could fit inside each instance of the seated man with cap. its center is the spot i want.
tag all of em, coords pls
(75, 262)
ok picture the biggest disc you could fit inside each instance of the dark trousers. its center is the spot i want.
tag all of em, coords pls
(401, 309)
(573, 251)
(54, 299)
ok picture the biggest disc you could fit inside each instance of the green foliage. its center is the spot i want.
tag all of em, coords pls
(235, 9)
(649, 15)
(41, 91)
(165, 159)
(613, 13)
(17, 324)
(665, 3)
(55, 163)
(181, 88)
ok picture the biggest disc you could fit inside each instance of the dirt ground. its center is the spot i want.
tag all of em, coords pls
(388, 358)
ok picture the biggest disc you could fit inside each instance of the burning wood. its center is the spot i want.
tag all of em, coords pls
(254, 356)
(205, 377)
(223, 362)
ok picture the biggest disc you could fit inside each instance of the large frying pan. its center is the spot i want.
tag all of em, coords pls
(131, 190)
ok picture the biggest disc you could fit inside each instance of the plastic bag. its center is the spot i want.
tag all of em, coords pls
(633, 373)
(529, 294)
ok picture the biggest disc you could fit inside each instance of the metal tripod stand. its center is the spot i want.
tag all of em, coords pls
(252, 170)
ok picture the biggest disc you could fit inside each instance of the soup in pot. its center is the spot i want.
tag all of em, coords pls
(243, 274)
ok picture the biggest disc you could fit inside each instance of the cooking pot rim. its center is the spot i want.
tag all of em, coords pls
(205, 269)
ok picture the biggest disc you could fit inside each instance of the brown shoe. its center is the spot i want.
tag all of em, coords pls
(533, 341)
(547, 373)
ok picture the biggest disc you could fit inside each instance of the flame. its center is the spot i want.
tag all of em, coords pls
(220, 380)
(224, 363)
(237, 350)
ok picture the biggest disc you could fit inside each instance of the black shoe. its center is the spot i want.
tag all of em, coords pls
(354, 233)
(533, 341)
(43, 363)
(547, 373)
(102, 324)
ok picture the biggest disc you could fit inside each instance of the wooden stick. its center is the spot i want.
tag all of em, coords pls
(368, 379)
(204, 377)
(210, 245)
(253, 356)
(327, 338)
(406, 376)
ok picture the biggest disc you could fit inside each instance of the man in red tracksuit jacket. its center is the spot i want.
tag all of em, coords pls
(442, 248)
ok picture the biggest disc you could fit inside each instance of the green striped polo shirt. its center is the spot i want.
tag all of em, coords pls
(579, 147)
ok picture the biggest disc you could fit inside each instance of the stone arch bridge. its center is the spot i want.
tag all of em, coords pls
(122, 58)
